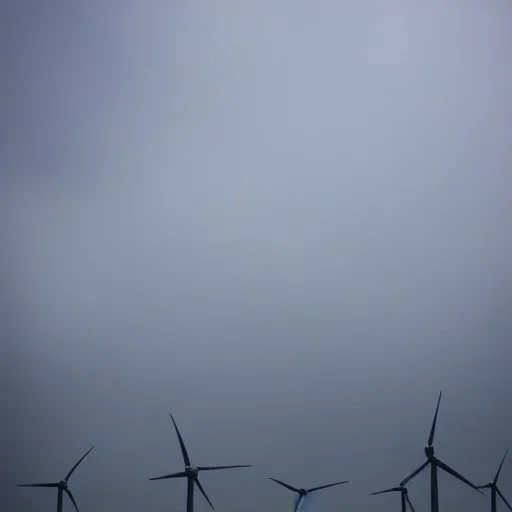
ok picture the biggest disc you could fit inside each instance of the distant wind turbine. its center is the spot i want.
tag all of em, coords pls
(494, 488)
(434, 464)
(191, 473)
(303, 492)
(404, 494)
(62, 486)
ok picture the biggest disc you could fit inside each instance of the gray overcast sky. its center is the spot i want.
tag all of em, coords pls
(290, 223)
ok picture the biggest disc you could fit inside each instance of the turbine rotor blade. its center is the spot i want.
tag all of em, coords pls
(184, 452)
(326, 486)
(393, 489)
(414, 473)
(434, 422)
(213, 468)
(38, 485)
(68, 492)
(203, 492)
(454, 473)
(172, 475)
(284, 485)
(409, 503)
(499, 469)
(298, 499)
(504, 499)
(70, 472)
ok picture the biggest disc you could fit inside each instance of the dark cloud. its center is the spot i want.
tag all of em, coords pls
(288, 224)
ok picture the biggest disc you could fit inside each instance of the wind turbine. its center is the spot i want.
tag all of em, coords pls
(191, 473)
(494, 488)
(405, 496)
(62, 486)
(434, 464)
(303, 492)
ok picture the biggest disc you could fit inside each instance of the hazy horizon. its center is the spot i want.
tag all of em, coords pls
(289, 224)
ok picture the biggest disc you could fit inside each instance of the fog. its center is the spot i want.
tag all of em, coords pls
(289, 223)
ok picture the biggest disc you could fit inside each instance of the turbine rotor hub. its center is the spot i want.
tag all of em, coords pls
(303, 492)
(429, 452)
(63, 484)
(192, 470)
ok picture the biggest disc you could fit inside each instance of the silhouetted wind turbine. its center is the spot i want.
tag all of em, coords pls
(302, 492)
(62, 486)
(434, 464)
(494, 488)
(405, 496)
(191, 473)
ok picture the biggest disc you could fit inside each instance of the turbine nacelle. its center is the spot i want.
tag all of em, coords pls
(192, 470)
(63, 484)
(303, 492)
(429, 452)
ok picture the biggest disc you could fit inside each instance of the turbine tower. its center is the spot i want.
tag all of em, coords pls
(404, 495)
(494, 488)
(434, 464)
(303, 492)
(62, 486)
(191, 473)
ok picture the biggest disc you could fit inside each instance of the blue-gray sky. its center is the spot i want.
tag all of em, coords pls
(288, 222)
